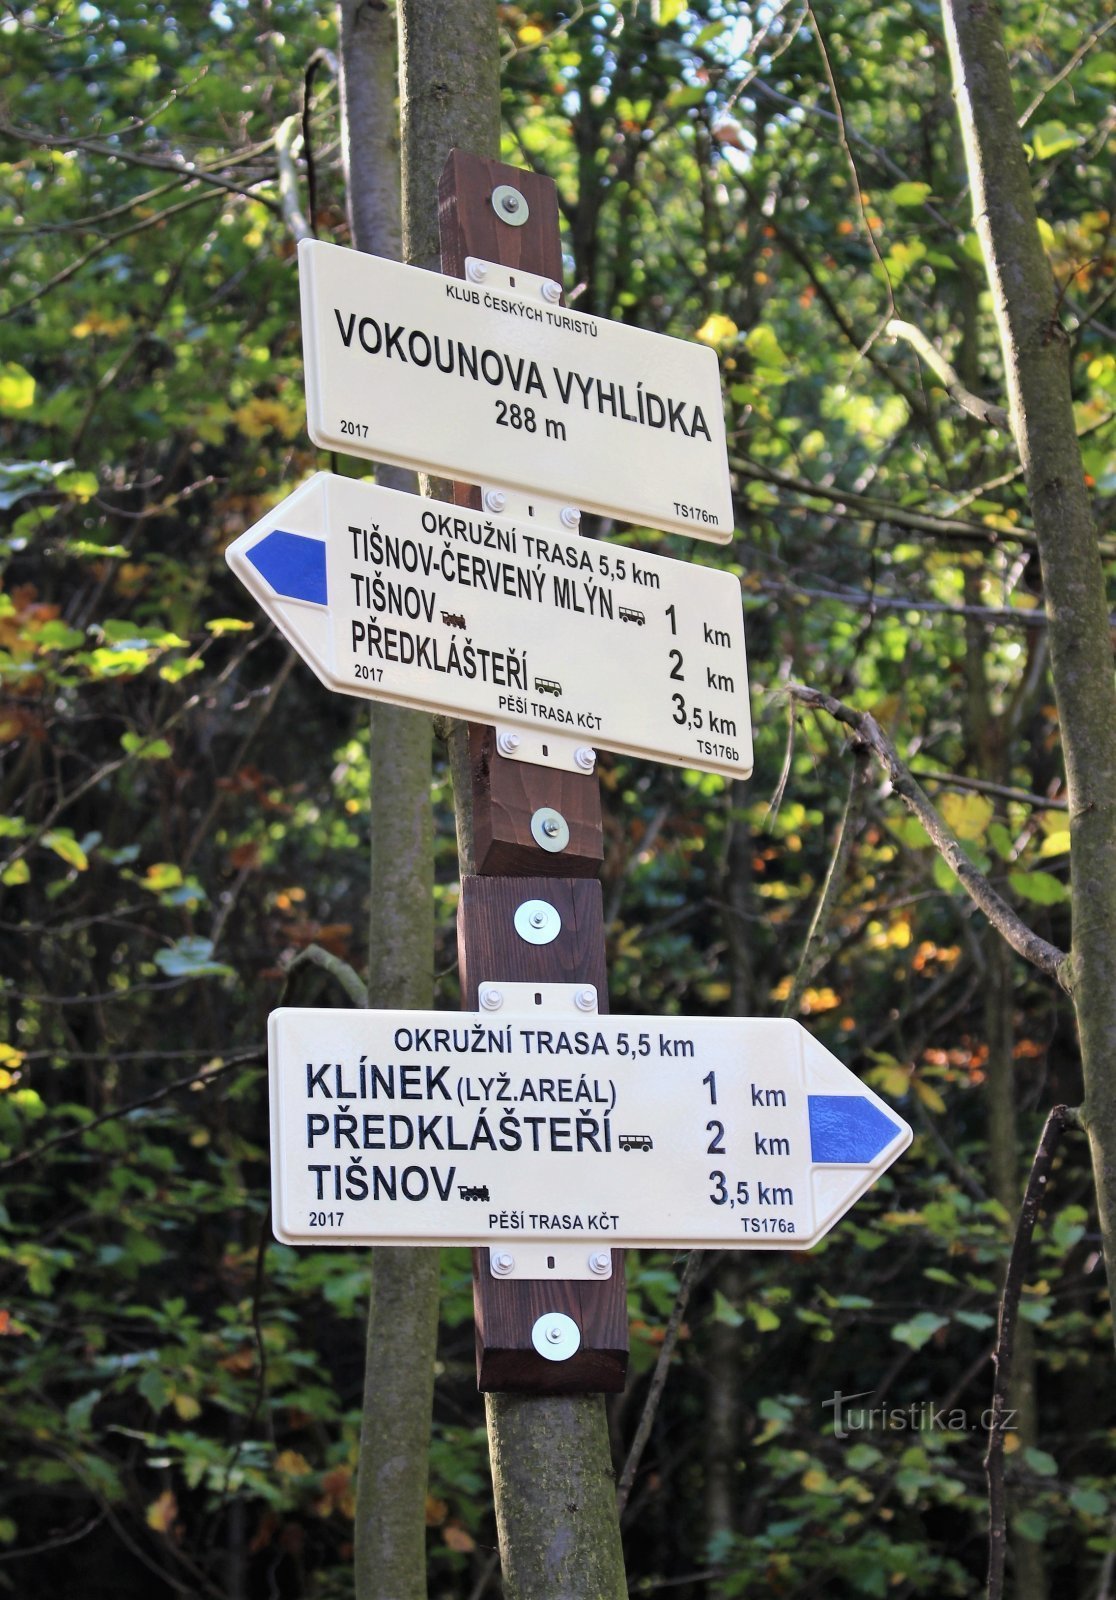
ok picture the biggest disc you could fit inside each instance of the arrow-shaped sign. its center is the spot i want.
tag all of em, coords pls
(551, 1124)
(498, 620)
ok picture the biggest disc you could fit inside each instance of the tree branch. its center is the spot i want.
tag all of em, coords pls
(983, 410)
(288, 139)
(658, 1380)
(1023, 940)
(345, 975)
(1005, 1344)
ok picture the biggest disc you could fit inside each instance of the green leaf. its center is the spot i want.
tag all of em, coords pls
(724, 1311)
(1031, 1525)
(909, 194)
(81, 485)
(1041, 887)
(1040, 1461)
(18, 872)
(191, 957)
(17, 388)
(63, 843)
(1051, 138)
(1090, 1502)
(919, 1330)
(146, 749)
(222, 625)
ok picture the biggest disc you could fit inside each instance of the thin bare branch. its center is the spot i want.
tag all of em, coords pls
(867, 731)
(834, 879)
(1005, 1344)
(983, 410)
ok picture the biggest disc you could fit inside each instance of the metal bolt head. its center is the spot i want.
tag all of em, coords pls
(503, 1263)
(551, 291)
(571, 517)
(476, 271)
(495, 499)
(510, 206)
(586, 999)
(507, 742)
(600, 1262)
(556, 1336)
(537, 922)
(491, 999)
(586, 757)
(550, 830)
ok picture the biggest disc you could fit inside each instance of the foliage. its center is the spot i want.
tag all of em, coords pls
(182, 1395)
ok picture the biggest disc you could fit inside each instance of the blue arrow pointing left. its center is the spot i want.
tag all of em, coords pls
(848, 1128)
(294, 565)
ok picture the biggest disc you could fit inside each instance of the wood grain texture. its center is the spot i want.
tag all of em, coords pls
(506, 795)
(506, 1311)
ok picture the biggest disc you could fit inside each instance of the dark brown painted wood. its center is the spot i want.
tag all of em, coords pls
(513, 868)
(491, 951)
(506, 795)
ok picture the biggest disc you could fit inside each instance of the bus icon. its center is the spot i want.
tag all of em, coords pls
(547, 686)
(636, 1141)
(630, 614)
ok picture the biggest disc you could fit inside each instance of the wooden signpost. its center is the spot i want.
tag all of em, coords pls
(382, 1123)
(514, 870)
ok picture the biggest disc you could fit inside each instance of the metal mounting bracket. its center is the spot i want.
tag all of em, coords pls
(519, 1259)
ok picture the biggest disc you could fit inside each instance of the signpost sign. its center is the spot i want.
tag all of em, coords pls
(493, 382)
(398, 598)
(556, 1124)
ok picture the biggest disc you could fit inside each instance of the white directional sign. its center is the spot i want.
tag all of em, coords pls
(398, 598)
(435, 1127)
(492, 382)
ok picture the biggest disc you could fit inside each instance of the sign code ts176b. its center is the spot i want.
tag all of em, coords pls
(499, 620)
(440, 1128)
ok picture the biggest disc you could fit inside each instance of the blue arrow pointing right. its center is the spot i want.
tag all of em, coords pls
(293, 564)
(848, 1128)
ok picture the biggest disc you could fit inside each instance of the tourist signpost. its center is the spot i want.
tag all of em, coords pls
(529, 1123)
(491, 380)
(513, 1126)
(491, 618)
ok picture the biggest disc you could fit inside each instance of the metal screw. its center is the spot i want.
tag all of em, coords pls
(554, 1335)
(586, 757)
(586, 999)
(510, 206)
(492, 999)
(551, 291)
(551, 827)
(507, 743)
(503, 1263)
(477, 271)
(495, 499)
(537, 919)
(571, 517)
(601, 1262)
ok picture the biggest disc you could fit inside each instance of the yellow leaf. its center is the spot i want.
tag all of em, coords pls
(929, 1096)
(967, 814)
(187, 1407)
(530, 33)
(1055, 844)
(291, 1464)
(815, 1000)
(717, 330)
(162, 1512)
(6, 1079)
(10, 1056)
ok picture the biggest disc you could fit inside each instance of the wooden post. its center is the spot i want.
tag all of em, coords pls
(511, 867)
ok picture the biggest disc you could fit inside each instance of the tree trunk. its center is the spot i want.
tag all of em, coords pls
(1036, 366)
(402, 1330)
(555, 1498)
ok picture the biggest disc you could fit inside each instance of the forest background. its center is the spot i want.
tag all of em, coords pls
(185, 809)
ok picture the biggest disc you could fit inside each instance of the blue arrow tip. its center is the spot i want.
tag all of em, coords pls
(848, 1128)
(293, 564)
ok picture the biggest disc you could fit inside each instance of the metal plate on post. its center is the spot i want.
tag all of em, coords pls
(517, 1127)
(564, 643)
(503, 387)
